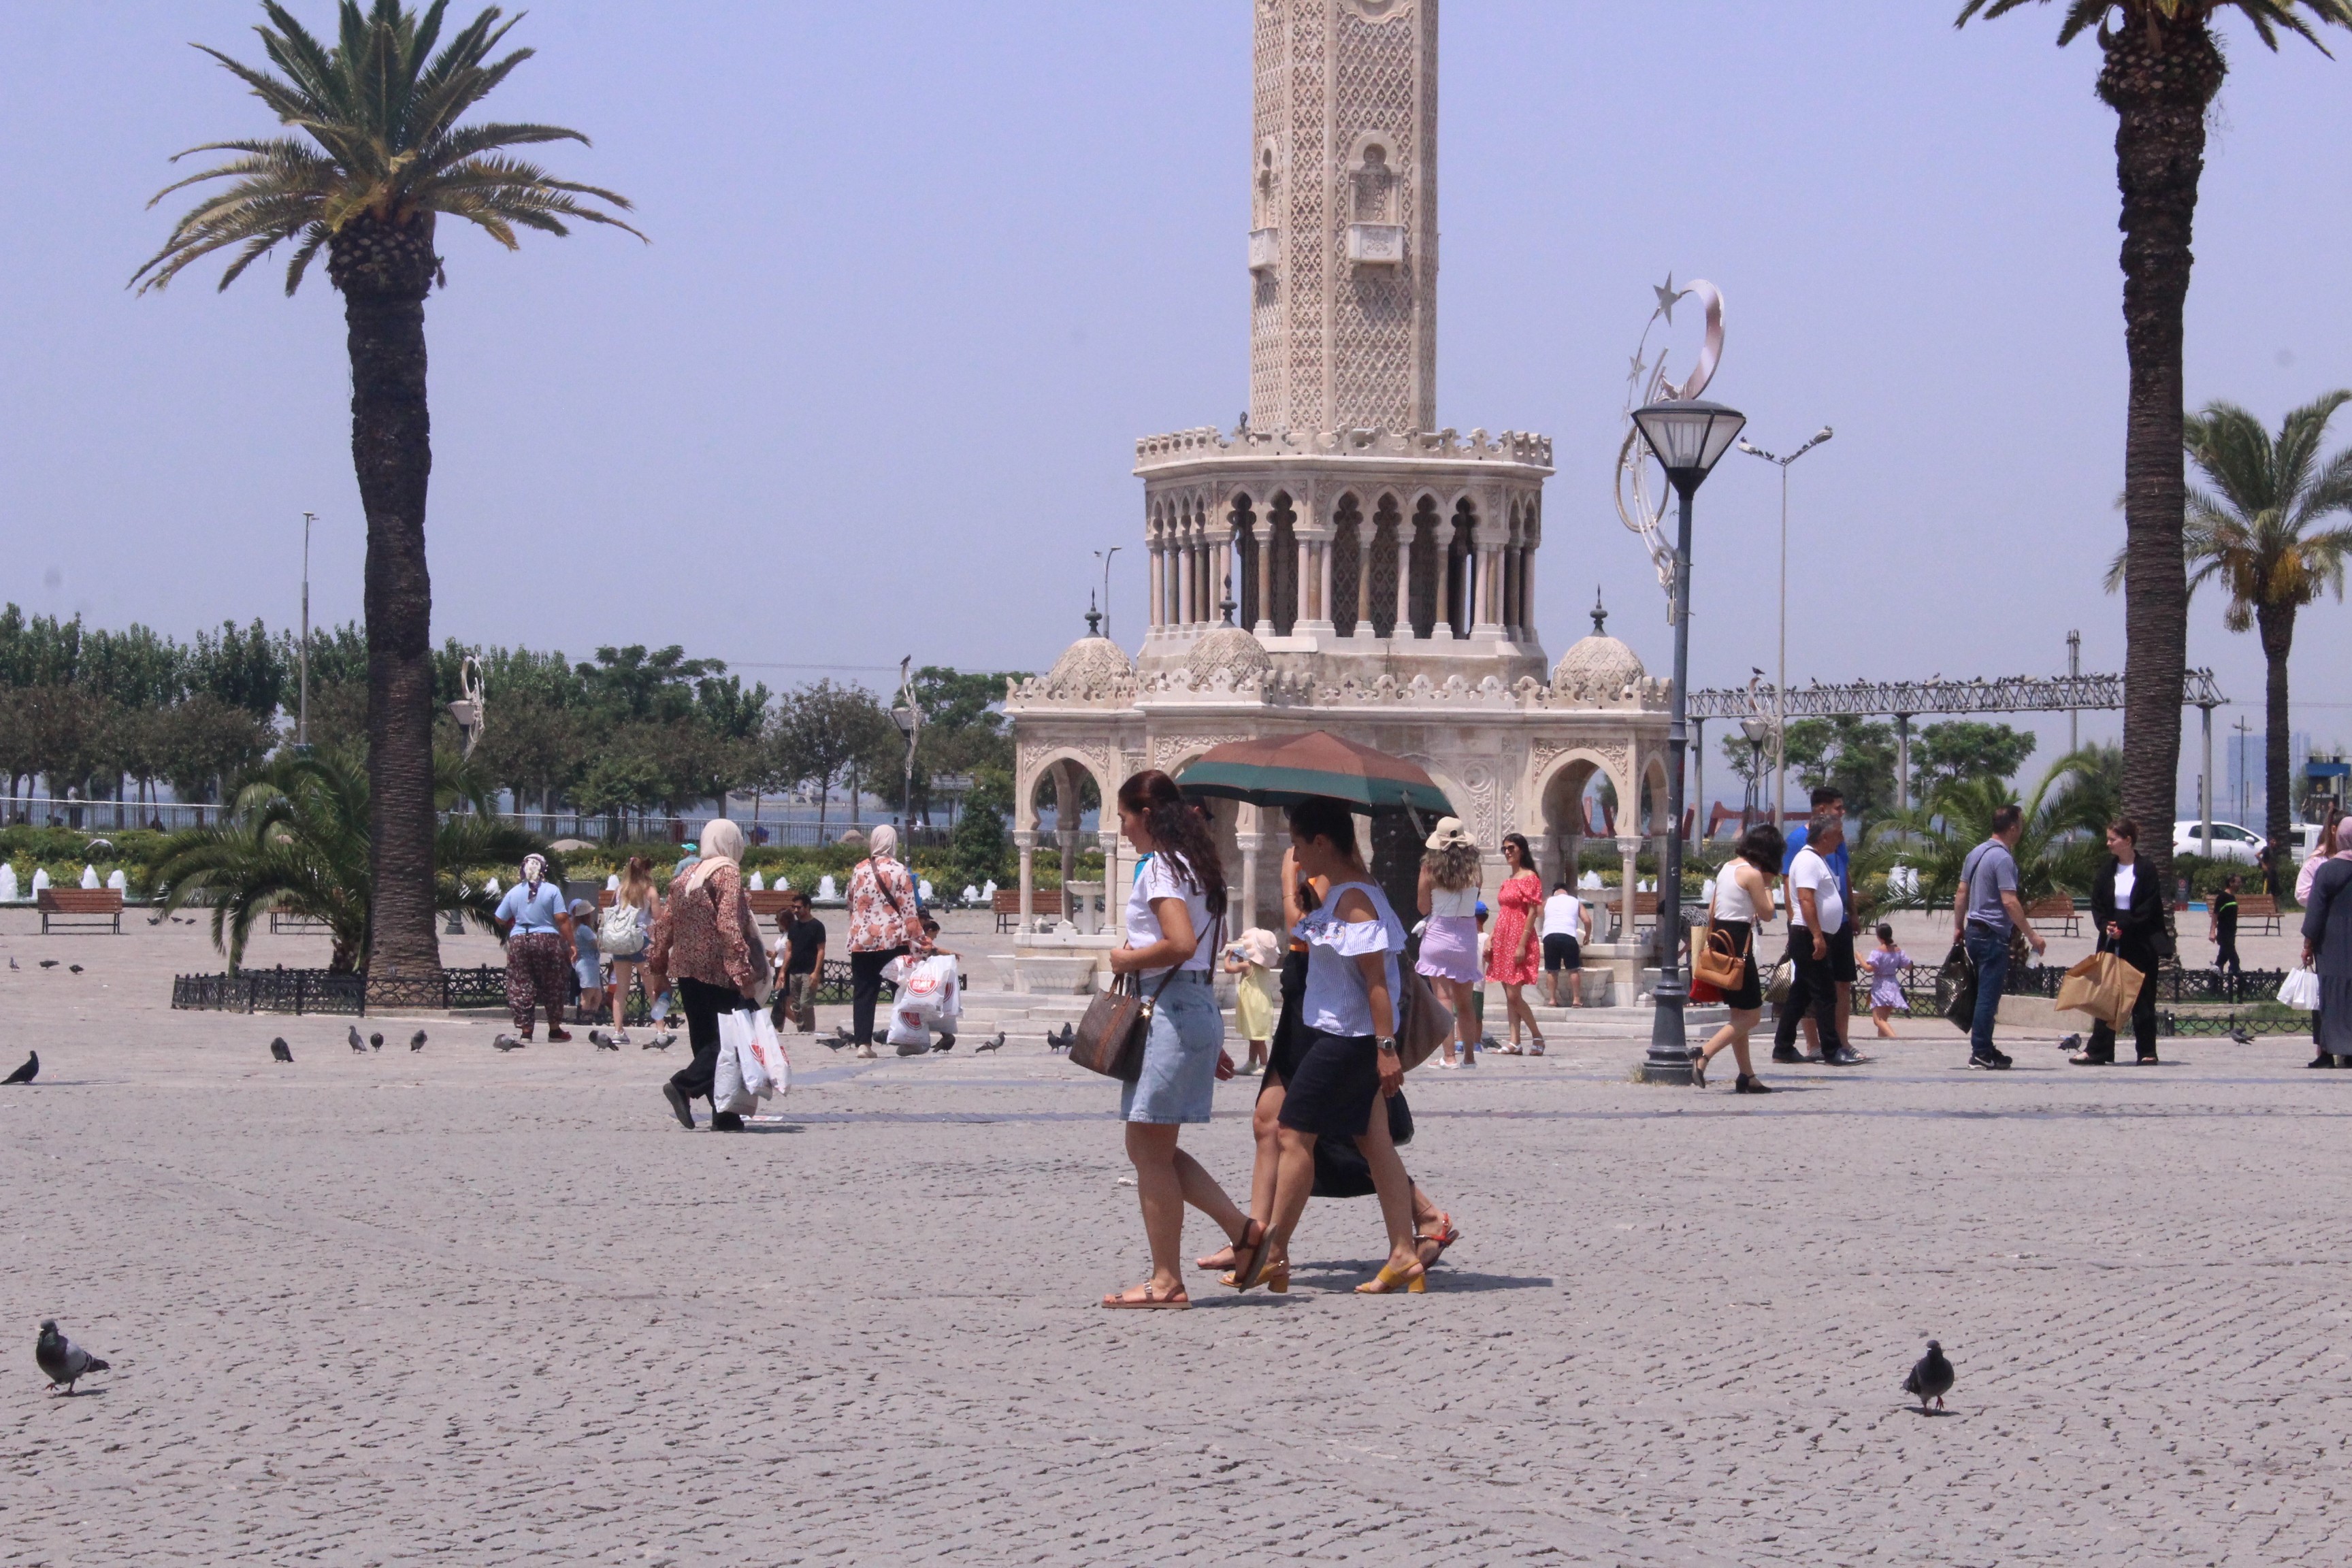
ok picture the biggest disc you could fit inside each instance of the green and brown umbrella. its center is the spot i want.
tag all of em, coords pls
(1284, 769)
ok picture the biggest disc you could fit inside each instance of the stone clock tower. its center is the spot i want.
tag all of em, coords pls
(1343, 237)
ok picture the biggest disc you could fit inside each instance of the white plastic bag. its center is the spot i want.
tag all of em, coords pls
(928, 987)
(727, 1088)
(751, 1054)
(909, 1027)
(2300, 989)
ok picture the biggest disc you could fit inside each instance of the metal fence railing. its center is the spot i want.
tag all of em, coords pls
(324, 990)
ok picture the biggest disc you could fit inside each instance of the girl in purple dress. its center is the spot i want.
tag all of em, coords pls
(1886, 963)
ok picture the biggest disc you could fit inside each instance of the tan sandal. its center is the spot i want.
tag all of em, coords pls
(1149, 1301)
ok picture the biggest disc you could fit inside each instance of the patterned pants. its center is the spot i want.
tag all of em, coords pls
(536, 974)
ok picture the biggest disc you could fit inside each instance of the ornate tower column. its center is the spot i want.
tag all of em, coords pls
(1343, 244)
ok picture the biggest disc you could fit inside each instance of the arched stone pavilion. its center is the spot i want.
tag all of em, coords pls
(1381, 570)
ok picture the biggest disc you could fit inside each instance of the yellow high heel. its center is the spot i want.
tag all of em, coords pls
(1415, 1277)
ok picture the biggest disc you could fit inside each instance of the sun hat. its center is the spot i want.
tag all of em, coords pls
(1449, 832)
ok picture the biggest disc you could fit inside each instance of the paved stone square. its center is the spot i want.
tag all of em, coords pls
(480, 1309)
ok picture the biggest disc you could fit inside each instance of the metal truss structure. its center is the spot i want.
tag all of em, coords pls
(1910, 699)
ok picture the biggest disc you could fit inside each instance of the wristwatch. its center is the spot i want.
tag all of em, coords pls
(1387, 1045)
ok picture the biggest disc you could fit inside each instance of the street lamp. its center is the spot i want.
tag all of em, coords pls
(1687, 437)
(1104, 556)
(302, 712)
(1781, 679)
(1756, 729)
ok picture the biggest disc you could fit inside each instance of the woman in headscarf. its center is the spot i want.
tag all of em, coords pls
(538, 931)
(2328, 946)
(707, 941)
(885, 922)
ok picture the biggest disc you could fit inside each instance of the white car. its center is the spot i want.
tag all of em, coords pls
(2231, 842)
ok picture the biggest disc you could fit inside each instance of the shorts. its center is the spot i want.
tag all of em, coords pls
(1178, 1081)
(1840, 959)
(1561, 952)
(1337, 1082)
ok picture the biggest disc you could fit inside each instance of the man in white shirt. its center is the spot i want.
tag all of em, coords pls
(1563, 946)
(1822, 941)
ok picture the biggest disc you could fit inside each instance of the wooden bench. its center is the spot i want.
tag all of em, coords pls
(1007, 907)
(2056, 914)
(83, 906)
(2258, 907)
(767, 902)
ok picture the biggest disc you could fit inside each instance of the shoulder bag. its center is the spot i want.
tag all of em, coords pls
(1112, 1035)
(1716, 961)
(1427, 1020)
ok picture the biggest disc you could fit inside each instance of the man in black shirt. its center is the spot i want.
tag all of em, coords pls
(803, 963)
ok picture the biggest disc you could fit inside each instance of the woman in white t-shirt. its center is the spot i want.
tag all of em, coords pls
(1174, 914)
(1449, 940)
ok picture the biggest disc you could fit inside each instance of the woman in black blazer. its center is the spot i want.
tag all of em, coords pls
(2129, 909)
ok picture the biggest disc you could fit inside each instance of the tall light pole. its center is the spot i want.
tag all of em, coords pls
(1687, 436)
(1780, 677)
(302, 711)
(1104, 556)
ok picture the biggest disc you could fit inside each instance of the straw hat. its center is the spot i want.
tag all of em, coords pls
(1261, 947)
(1449, 833)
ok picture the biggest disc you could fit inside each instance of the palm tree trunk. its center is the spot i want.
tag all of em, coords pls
(2277, 628)
(2158, 77)
(383, 273)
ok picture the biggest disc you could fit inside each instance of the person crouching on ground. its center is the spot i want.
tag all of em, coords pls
(707, 942)
(1173, 911)
(538, 932)
(885, 922)
(1449, 940)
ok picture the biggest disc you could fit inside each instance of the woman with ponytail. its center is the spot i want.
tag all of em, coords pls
(1174, 916)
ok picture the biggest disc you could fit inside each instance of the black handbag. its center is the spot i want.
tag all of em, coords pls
(1956, 988)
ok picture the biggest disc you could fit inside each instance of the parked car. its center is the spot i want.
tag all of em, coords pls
(2231, 842)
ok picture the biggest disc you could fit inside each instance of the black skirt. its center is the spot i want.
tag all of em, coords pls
(1287, 1046)
(1340, 1169)
(1337, 1080)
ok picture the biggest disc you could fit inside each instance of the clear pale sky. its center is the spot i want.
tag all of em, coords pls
(922, 273)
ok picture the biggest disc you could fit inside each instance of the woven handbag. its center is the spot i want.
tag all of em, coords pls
(1111, 1036)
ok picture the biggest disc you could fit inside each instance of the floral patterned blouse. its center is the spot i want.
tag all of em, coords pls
(708, 933)
(882, 909)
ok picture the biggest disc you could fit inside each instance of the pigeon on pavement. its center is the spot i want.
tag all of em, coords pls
(279, 1051)
(840, 1036)
(944, 1043)
(62, 1359)
(603, 1041)
(1931, 1378)
(48, 964)
(2070, 1043)
(509, 1043)
(1062, 1041)
(993, 1043)
(29, 1072)
(2239, 1034)
(659, 1043)
(73, 968)
(12, 960)
(358, 1046)
(416, 1041)
(375, 1042)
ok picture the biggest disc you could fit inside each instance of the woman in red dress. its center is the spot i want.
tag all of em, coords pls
(1515, 957)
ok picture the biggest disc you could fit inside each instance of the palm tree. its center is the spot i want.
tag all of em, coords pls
(2057, 853)
(2255, 532)
(297, 840)
(384, 158)
(2163, 67)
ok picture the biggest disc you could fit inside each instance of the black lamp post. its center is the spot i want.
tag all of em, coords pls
(1687, 438)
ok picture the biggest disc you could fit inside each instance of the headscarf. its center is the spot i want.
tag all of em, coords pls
(534, 871)
(2343, 838)
(722, 845)
(883, 844)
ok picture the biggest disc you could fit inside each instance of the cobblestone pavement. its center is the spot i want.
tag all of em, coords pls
(488, 1310)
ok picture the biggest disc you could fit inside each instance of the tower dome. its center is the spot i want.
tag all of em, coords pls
(1092, 662)
(1229, 649)
(1597, 668)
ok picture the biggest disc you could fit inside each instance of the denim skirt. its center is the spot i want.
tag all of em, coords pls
(1179, 1083)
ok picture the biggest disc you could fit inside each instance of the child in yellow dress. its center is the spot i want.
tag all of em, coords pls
(1254, 959)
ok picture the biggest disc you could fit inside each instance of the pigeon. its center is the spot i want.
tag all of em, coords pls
(1062, 1041)
(416, 1041)
(603, 1041)
(62, 1359)
(507, 1043)
(1932, 1378)
(375, 1042)
(73, 968)
(48, 964)
(2070, 1043)
(840, 1036)
(946, 1042)
(993, 1043)
(2238, 1033)
(29, 1072)
(12, 960)
(358, 1046)
(279, 1051)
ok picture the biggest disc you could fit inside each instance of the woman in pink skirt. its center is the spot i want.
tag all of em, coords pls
(1449, 939)
(1515, 960)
